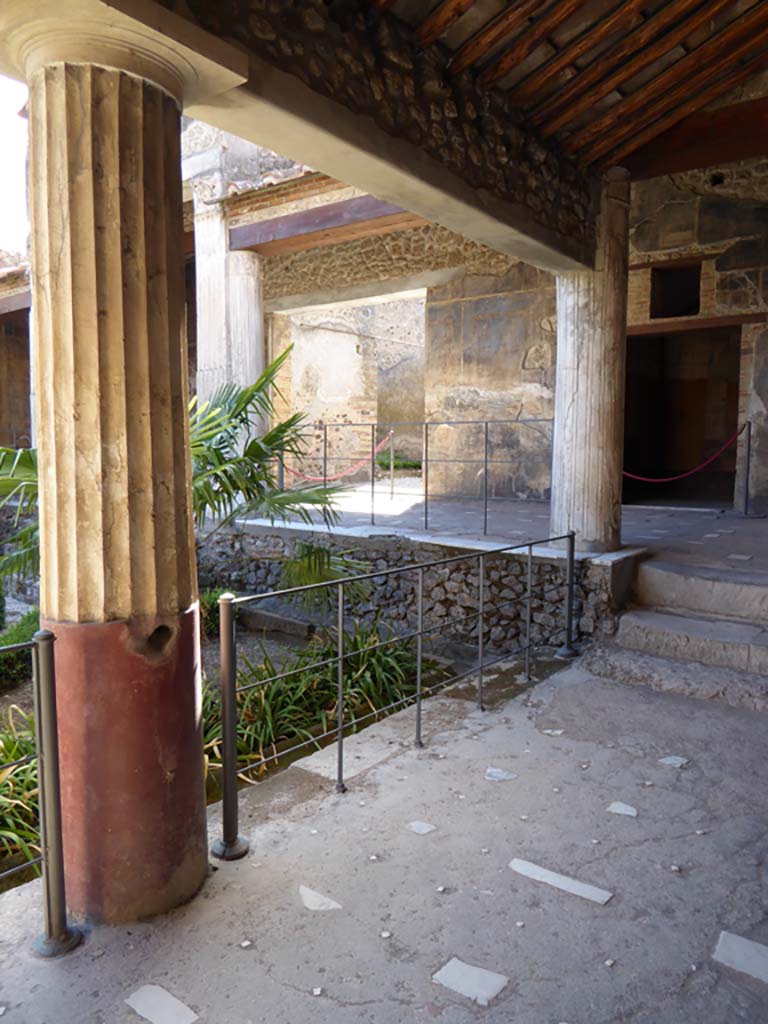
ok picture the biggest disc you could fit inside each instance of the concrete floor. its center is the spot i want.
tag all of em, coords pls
(660, 927)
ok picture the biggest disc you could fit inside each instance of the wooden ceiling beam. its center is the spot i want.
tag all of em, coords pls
(737, 41)
(527, 42)
(712, 92)
(626, 16)
(441, 19)
(514, 15)
(629, 56)
(705, 138)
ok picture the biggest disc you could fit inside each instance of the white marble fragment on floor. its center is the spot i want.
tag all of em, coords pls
(742, 955)
(316, 901)
(155, 1004)
(475, 983)
(498, 775)
(673, 761)
(552, 732)
(740, 558)
(563, 882)
(617, 807)
(421, 828)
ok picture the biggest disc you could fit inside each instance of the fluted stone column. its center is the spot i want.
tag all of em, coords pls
(118, 582)
(230, 305)
(590, 381)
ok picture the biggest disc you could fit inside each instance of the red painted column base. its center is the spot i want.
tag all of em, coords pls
(133, 791)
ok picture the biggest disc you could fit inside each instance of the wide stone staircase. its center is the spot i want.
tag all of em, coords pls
(694, 630)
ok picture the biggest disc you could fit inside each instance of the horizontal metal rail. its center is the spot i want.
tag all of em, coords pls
(343, 718)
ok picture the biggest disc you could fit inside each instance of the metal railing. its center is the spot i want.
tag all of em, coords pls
(330, 465)
(232, 845)
(58, 936)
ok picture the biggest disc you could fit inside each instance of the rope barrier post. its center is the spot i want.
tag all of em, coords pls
(231, 846)
(528, 615)
(485, 478)
(425, 475)
(419, 650)
(280, 473)
(340, 787)
(391, 464)
(373, 472)
(325, 455)
(58, 938)
(747, 464)
(480, 630)
(568, 651)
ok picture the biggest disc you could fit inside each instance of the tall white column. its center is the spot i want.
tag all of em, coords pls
(590, 381)
(230, 306)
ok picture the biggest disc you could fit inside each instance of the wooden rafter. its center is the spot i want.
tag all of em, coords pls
(695, 102)
(441, 19)
(737, 41)
(528, 40)
(514, 15)
(629, 56)
(626, 16)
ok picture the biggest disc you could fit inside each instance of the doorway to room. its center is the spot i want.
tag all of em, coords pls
(681, 406)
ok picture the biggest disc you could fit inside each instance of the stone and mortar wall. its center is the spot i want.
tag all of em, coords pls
(490, 355)
(720, 217)
(373, 67)
(250, 562)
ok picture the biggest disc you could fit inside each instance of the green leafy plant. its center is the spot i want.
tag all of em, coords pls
(235, 461)
(400, 462)
(19, 794)
(16, 666)
(304, 704)
(314, 564)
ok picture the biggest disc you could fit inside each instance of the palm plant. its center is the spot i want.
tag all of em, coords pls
(235, 461)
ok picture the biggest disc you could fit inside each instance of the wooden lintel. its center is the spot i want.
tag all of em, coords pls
(706, 138)
(346, 233)
(318, 218)
(16, 301)
(694, 323)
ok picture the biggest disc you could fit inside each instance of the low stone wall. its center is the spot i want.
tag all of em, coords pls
(250, 561)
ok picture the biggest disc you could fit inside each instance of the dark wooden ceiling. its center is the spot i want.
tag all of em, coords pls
(603, 77)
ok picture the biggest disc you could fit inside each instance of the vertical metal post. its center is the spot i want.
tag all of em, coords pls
(373, 471)
(231, 846)
(391, 464)
(568, 650)
(325, 455)
(480, 630)
(425, 476)
(58, 937)
(340, 787)
(529, 614)
(419, 650)
(280, 473)
(747, 465)
(485, 477)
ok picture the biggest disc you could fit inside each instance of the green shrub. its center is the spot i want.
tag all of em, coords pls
(2, 608)
(16, 667)
(304, 704)
(400, 462)
(209, 611)
(19, 796)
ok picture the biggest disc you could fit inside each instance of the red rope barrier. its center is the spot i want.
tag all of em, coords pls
(344, 472)
(690, 472)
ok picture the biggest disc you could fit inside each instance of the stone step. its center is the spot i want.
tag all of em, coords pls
(686, 678)
(735, 645)
(725, 593)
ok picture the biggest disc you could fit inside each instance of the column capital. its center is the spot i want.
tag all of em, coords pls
(136, 36)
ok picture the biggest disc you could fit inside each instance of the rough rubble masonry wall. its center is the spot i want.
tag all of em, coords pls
(248, 562)
(372, 66)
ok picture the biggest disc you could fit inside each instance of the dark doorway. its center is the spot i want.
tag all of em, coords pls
(682, 405)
